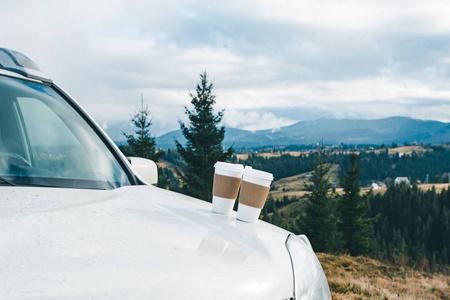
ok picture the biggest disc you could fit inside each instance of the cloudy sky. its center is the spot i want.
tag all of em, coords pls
(273, 62)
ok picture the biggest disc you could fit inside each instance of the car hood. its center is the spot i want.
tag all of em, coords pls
(134, 242)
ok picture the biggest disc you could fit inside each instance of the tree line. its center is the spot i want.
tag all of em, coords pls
(435, 162)
(377, 166)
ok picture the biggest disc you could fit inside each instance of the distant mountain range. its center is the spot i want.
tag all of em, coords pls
(332, 131)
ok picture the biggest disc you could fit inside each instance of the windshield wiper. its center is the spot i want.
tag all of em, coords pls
(6, 181)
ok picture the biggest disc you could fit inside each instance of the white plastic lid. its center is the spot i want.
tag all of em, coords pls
(258, 173)
(257, 177)
(227, 169)
(229, 166)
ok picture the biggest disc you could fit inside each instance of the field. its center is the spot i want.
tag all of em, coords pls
(271, 154)
(364, 278)
(408, 150)
(404, 149)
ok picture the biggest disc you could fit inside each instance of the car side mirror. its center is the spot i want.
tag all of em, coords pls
(145, 169)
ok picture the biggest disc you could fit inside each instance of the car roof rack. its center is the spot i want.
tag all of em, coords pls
(17, 62)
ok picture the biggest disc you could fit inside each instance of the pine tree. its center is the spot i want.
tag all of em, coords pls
(143, 144)
(204, 142)
(355, 226)
(319, 222)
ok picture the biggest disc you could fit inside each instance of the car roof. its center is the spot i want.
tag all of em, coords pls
(17, 62)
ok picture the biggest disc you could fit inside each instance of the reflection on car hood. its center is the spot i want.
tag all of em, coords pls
(137, 242)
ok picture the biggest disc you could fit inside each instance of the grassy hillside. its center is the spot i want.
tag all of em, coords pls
(296, 185)
(364, 278)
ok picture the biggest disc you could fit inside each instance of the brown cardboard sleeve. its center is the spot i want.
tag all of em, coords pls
(253, 195)
(226, 186)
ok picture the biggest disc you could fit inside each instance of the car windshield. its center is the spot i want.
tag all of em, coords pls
(45, 142)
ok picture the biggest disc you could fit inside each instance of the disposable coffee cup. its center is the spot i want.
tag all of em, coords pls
(254, 190)
(227, 180)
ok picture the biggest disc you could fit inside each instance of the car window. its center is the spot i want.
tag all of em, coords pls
(44, 141)
(54, 147)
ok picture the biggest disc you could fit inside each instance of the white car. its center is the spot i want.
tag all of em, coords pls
(78, 221)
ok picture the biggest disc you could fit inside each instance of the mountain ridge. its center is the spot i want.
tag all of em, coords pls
(332, 131)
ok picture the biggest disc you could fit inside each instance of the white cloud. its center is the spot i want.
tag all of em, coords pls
(252, 121)
(419, 16)
(325, 93)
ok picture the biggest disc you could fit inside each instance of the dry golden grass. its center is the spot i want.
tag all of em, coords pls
(438, 186)
(405, 149)
(295, 153)
(270, 154)
(409, 149)
(266, 155)
(242, 156)
(278, 195)
(274, 154)
(364, 278)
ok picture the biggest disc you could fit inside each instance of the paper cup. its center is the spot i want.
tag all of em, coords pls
(227, 180)
(254, 190)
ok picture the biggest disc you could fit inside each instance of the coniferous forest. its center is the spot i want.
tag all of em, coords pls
(413, 225)
(435, 162)
(409, 226)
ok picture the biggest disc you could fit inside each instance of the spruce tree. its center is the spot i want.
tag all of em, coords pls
(355, 226)
(204, 142)
(143, 144)
(319, 221)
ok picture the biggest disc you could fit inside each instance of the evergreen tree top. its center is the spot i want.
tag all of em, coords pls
(142, 144)
(204, 141)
